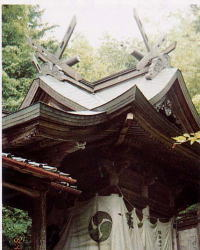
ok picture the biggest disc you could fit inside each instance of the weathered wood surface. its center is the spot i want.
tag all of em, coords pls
(28, 168)
(59, 126)
(47, 56)
(124, 130)
(102, 84)
(72, 61)
(141, 28)
(37, 65)
(184, 109)
(42, 110)
(66, 38)
(155, 56)
(39, 223)
(27, 191)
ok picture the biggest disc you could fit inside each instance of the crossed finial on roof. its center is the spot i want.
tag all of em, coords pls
(53, 64)
(157, 59)
(59, 68)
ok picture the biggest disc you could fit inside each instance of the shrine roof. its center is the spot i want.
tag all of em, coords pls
(78, 98)
(63, 107)
(62, 87)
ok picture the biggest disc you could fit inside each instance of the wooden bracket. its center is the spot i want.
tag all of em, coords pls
(124, 130)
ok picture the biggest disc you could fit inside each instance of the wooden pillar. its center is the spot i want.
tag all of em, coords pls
(39, 222)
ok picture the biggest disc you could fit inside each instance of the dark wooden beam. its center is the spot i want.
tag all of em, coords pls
(137, 54)
(27, 191)
(72, 61)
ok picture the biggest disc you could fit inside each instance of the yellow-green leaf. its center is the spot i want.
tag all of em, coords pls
(197, 135)
(180, 138)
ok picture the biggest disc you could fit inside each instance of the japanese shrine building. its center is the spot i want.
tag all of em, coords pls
(114, 136)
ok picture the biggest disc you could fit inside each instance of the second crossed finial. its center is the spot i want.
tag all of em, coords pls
(157, 59)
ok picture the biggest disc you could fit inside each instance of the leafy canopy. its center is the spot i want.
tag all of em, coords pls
(186, 57)
(19, 22)
(16, 223)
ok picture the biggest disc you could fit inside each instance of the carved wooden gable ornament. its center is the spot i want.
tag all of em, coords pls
(54, 64)
(157, 59)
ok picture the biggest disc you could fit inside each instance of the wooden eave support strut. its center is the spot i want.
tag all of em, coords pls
(124, 130)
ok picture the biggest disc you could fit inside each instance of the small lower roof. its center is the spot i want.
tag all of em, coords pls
(58, 180)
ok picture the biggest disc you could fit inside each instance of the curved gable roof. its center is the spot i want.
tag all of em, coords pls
(114, 92)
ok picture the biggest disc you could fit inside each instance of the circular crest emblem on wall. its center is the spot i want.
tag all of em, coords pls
(100, 226)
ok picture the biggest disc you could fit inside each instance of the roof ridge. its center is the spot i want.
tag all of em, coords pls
(122, 72)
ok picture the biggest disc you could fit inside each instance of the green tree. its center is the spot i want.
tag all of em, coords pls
(111, 57)
(82, 48)
(19, 22)
(115, 54)
(196, 13)
(16, 223)
(186, 56)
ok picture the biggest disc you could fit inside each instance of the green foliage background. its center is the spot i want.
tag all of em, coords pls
(16, 223)
(186, 57)
(19, 22)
